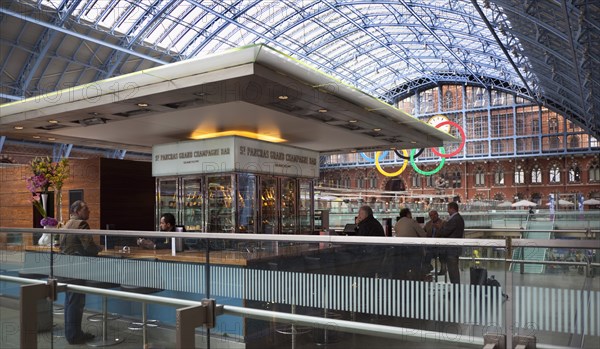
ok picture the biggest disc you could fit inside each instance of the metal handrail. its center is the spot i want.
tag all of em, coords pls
(393, 332)
(400, 333)
(331, 239)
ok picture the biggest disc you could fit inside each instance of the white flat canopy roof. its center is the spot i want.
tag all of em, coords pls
(253, 88)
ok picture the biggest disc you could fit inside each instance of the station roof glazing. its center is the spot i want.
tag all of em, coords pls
(542, 51)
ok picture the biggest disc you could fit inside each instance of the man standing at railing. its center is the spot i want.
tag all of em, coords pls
(82, 245)
(454, 227)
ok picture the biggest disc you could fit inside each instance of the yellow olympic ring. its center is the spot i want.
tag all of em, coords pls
(387, 174)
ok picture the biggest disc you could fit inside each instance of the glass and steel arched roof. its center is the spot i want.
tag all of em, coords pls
(543, 51)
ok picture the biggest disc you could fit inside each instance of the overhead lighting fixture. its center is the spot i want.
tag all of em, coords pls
(92, 121)
(376, 129)
(413, 142)
(323, 110)
(51, 138)
(53, 121)
(283, 97)
(36, 137)
(247, 134)
(143, 105)
(353, 150)
(352, 121)
(18, 127)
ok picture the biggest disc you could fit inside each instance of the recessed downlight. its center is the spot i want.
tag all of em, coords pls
(18, 127)
(283, 97)
(53, 121)
(352, 121)
(323, 110)
(51, 138)
(376, 129)
(36, 137)
(143, 105)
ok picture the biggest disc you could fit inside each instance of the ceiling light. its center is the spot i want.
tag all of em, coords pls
(92, 121)
(393, 148)
(376, 129)
(322, 110)
(283, 97)
(413, 142)
(143, 105)
(51, 138)
(247, 134)
(18, 127)
(352, 121)
(353, 151)
(36, 137)
(53, 121)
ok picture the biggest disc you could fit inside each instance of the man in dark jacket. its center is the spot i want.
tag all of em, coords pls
(368, 258)
(366, 224)
(82, 245)
(454, 227)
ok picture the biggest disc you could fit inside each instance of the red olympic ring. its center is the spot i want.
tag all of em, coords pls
(462, 135)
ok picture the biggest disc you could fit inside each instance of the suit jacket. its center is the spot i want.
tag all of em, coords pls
(82, 245)
(453, 228)
(370, 227)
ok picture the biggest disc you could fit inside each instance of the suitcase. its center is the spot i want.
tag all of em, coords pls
(478, 276)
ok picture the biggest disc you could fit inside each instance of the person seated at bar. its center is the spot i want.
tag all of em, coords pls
(434, 252)
(409, 258)
(167, 223)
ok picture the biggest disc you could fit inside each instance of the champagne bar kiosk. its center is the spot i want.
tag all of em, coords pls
(235, 184)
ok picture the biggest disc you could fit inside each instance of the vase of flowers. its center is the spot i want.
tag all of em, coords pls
(48, 174)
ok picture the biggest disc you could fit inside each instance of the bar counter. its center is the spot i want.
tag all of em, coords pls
(243, 256)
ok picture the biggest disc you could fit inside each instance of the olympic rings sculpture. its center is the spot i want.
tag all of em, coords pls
(364, 156)
(412, 156)
(427, 173)
(462, 135)
(407, 157)
(387, 174)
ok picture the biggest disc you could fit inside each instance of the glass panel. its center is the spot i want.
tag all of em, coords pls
(305, 209)
(289, 202)
(166, 200)
(246, 196)
(220, 211)
(193, 214)
(268, 206)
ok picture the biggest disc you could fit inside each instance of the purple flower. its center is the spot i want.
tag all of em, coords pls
(37, 183)
(49, 221)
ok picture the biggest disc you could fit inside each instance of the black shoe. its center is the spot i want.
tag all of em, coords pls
(85, 337)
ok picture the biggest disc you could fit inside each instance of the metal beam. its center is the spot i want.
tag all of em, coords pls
(503, 48)
(60, 151)
(45, 42)
(80, 36)
(11, 97)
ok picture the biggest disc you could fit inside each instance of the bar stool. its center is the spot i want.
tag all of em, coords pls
(103, 317)
(137, 326)
(291, 330)
(321, 336)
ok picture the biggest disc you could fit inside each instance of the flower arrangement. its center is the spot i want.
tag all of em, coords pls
(49, 222)
(36, 201)
(46, 174)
